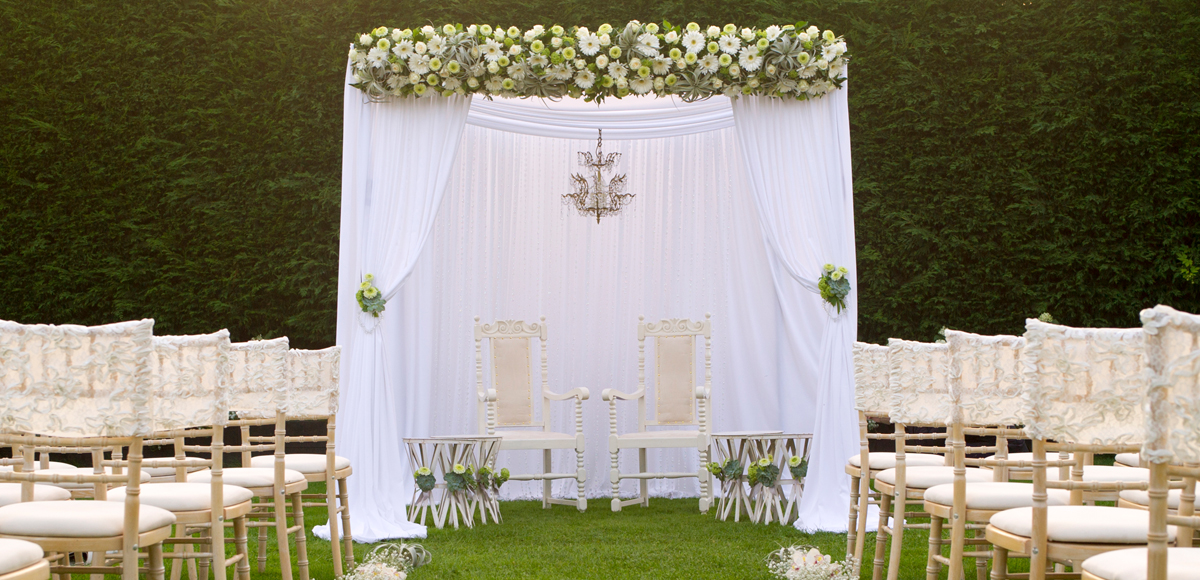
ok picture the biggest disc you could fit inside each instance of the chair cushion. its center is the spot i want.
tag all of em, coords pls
(1129, 459)
(183, 497)
(1082, 524)
(166, 471)
(1130, 564)
(10, 493)
(250, 477)
(76, 519)
(302, 462)
(37, 466)
(1142, 498)
(82, 471)
(673, 434)
(925, 477)
(883, 460)
(992, 495)
(18, 554)
(1111, 473)
(534, 435)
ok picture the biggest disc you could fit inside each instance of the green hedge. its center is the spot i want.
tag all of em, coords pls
(182, 160)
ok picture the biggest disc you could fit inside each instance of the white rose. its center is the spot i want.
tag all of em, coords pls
(813, 31)
(427, 30)
(365, 39)
(713, 32)
(556, 42)
(672, 37)
(602, 61)
(605, 40)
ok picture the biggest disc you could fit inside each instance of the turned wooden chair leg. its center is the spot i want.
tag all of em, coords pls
(899, 510)
(643, 484)
(332, 512)
(933, 568)
(881, 536)
(262, 549)
(546, 483)
(157, 570)
(614, 477)
(852, 526)
(301, 536)
(242, 542)
(281, 536)
(347, 538)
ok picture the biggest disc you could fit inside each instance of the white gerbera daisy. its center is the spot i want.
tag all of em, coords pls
(750, 59)
(493, 85)
(709, 64)
(451, 83)
(516, 71)
(641, 86)
(617, 70)
(492, 50)
(589, 44)
(559, 72)
(403, 49)
(419, 64)
(730, 44)
(377, 57)
(539, 60)
(436, 45)
(661, 66)
(693, 42)
(584, 79)
(807, 72)
(648, 44)
(773, 32)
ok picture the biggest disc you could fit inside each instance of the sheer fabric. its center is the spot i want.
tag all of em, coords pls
(632, 117)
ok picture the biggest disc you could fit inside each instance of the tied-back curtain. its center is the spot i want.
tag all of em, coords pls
(396, 159)
(797, 156)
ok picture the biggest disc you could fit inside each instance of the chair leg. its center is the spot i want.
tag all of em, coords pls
(580, 481)
(335, 545)
(999, 563)
(262, 551)
(203, 562)
(240, 541)
(157, 570)
(614, 476)
(546, 483)
(301, 536)
(933, 568)
(281, 537)
(705, 482)
(852, 526)
(881, 536)
(347, 539)
(643, 484)
(899, 509)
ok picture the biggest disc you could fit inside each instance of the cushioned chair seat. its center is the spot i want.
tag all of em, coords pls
(1115, 473)
(37, 466)
(10, 493)
(18, 554)
(1130, 564)
(1142, 498)
(248, 476)
(995, 495)
(183, 497)
(658, 435)
(1129, 459)
(76, 519)
(82, 471)
(925, 477)
(1082, 524)
(166, 471)
(883, 460)
(302, 462)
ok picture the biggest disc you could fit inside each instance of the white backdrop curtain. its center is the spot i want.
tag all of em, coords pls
(798, 160)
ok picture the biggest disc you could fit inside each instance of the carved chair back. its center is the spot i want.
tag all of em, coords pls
(509, 401)
(675, 401)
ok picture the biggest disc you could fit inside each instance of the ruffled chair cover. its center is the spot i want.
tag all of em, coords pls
(917, 371)
(985, 378)
(871, 393)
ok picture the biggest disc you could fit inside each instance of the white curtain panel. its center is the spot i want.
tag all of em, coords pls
(633, 117)
(396, 159)
(797, 156)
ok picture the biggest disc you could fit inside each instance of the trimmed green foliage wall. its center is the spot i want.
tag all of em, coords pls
(181, 160)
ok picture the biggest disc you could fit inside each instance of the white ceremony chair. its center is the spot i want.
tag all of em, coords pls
(1084, 389)
(192, 400)
(509, 404)
(872, 397)
(920, 398)
(259, 382)
(21, 560)
(83, 387)
(678, 402)
(313, 390)
(1173, 449)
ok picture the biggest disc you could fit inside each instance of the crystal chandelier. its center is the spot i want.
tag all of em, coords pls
(593, 195)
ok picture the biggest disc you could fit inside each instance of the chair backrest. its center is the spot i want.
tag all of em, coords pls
(1084, 385)
(917, 379)
(76, 381)
(871, 393)
(985, 378)
(313, 382)
(192, 376)
(1173, 352)
(509, 342)
(674, 368)
(259, 378)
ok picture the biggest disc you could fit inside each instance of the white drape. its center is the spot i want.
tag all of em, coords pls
(628, 118)
(396, 158)
(797, 156)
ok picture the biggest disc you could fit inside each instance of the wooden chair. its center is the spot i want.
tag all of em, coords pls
(81, 387)
(259, 384)
(509, 404)
(313, 390)
(678, 402)
(1172, 448)
(871, 398)
(1084, 389)
(21, 560)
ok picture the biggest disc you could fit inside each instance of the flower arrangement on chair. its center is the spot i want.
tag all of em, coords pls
(834, 286)
(808, 563)
(390, 562)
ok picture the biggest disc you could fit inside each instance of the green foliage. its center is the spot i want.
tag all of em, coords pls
(181, 160)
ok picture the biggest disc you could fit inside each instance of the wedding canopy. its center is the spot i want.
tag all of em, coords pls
(454, 204)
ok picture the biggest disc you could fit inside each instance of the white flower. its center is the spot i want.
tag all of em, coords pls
(427, 30)
(648, 44)
(641, 86)
(413, 78)
(773, 32)
(582, 30)
(436, 45)
(377, 57)
(813, 31)
(492, 50)
(734, 70)
(476, 70)
(366, 39)
(604, 28)
(661, 66)
(671, 37)
(589, 44)
(602, 61)
(750, 59)
(493, 67)
(559, 72)
(516, 71)
(383, 44)
(617, 70)
(396, 34)
(451, 83)
(730, 44)
(709, 64)
(539, 60)
(803, 36)
(493, 85)
(829, 36)
(713, 32)
(420, 47)
(419, 64)
(514, 49)
(406, 33)
(659, 83)
(472, 82)
(403, 49)
(472, 30)
(836, 275)
(584, 79)
(635, 63)
(747, 34)
(693, 41)
(556, 42)
(605, 40)
(580, 63)
(822, 64)
(622, 83)
(448, 29)
(652, 28)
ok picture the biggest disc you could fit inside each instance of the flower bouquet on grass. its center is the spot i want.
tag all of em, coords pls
(425, 482)
(834, 286)
(390, 562)
(763, 475)
(808, 563)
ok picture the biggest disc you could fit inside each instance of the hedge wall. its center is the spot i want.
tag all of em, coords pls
(182, 160)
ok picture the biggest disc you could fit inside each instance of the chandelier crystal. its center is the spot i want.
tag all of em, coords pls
(593, 196)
